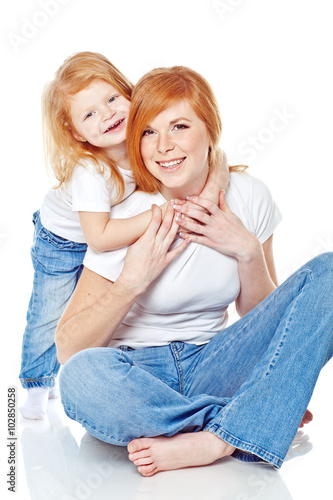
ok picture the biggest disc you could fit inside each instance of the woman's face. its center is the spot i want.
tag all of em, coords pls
(174, 148)
(99, 114)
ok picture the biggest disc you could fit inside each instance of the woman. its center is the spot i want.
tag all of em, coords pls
(175, 385)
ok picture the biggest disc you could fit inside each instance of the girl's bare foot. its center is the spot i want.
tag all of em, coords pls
(156, 454)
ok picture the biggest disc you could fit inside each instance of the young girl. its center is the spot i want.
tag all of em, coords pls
(85, 110)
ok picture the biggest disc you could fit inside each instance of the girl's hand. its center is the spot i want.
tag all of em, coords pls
(219, 228)
(150, 255)
(218, 178)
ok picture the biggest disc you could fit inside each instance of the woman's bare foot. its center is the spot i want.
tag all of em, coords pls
(157, 454)
(307, 417)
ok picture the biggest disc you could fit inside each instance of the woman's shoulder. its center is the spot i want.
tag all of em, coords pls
(135, 204)
(252, 201)
(248, 187)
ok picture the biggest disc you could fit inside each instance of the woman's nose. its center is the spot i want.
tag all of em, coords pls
(164, 144)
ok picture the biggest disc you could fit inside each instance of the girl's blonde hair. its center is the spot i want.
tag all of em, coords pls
(62, 150)
(158, 90)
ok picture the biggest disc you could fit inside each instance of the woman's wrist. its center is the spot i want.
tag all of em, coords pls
(250, 252)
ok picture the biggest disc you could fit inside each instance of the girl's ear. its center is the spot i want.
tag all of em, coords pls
(75, 134)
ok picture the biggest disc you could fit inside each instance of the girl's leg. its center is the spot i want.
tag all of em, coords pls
(57, 267)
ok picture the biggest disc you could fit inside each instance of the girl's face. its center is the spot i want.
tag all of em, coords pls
(174, 148)
(99, 114)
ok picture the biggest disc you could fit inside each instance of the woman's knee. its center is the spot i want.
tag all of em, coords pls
(322, 264)
(87, 369)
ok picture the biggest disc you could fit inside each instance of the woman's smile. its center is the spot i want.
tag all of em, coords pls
(174, 148)
(172, 165)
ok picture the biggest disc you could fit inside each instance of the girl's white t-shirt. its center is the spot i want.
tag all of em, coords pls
(188, 302)
(87, 191)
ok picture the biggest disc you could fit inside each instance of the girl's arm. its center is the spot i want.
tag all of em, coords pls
(102, 233)
(218, 178)
(98, 306)
(223, 230)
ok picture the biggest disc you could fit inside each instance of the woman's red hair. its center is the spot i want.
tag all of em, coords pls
(158, 90)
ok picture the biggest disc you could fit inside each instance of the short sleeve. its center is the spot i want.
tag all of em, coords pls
(265, 213)
(91, 191)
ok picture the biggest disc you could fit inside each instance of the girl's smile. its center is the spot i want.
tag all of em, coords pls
(99, 114)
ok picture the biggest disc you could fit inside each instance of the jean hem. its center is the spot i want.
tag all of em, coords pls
(29, 383)
(246, 452)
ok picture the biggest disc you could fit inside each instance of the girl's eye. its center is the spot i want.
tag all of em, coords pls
(113, 98)
(88, 115)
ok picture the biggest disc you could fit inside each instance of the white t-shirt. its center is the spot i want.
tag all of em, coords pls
(87, 191)
(188, 301)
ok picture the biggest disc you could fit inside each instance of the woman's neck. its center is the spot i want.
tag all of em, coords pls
(180, 193)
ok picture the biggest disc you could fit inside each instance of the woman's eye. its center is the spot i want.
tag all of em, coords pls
(180, 126)
(147, 132)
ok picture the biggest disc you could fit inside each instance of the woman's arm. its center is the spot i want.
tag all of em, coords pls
(222, 230)
(98, 306)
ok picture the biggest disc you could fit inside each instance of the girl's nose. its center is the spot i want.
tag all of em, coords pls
(108, 113)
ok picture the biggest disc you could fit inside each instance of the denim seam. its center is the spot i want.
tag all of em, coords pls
(179, 367)
(245, 446)
(272, 297)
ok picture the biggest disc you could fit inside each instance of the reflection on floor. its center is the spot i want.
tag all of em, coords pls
(63, 462)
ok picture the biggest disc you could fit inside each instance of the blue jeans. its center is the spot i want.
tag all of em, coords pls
(57, 266)
(250, 385)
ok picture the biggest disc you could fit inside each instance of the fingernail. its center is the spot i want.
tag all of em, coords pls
(172, 203)
(190, 198)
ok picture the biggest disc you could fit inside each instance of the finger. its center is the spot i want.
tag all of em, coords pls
(170, 236)
(198, 238)
(193, 226)
(185, 213)
(207, 204)
(166, 222)
(223, 204)
(178, 250)
(155, 221)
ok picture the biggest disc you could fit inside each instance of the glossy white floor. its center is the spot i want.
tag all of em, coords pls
(58, 460)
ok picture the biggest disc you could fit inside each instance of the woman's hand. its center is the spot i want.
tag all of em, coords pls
(150, 255)
(217, 228)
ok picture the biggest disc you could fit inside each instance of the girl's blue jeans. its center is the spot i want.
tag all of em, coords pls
(57, 266)
(250, 385)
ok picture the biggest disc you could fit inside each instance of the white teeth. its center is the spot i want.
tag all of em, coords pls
(170, 164)
(112, 126)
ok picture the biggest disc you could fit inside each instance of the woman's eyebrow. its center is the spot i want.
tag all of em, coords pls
(172, 122)
(180, 119)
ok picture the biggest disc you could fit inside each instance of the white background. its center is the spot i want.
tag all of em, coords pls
(263, 59)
